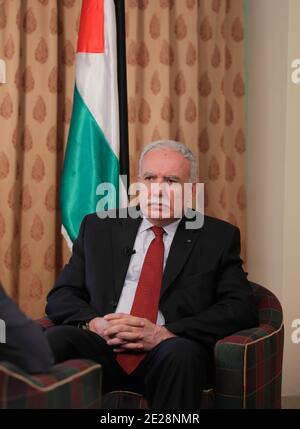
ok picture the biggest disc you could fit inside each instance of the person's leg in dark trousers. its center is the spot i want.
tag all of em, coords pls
(68, 342)
(173, 374)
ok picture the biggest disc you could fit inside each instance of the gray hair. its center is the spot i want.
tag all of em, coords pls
(177, 147)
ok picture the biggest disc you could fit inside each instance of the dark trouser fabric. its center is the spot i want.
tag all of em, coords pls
(172, 375)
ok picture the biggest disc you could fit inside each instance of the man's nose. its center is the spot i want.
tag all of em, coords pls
(159, 188)
(155, 188)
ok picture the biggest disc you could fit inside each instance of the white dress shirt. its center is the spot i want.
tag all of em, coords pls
(143, 239)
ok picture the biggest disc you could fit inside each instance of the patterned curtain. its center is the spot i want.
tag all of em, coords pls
(37, 42)
(185, 65)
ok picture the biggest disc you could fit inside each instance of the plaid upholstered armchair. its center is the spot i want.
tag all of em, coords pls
(248, 373)
(68, 385)
(248, 365)
(71, 384)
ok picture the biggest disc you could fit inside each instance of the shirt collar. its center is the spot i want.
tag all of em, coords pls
(169, 229)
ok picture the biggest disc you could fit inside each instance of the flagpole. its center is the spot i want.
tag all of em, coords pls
(122, 87)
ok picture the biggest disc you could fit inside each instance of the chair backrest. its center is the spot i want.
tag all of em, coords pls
(269, 308)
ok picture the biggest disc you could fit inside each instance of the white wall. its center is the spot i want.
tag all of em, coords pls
(274, 163)
(291, 243)
(267, 80)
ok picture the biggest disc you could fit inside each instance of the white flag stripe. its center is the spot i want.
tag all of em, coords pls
(97, 81)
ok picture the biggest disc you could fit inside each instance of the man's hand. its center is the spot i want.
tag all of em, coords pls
(98, 326)
(128, 332)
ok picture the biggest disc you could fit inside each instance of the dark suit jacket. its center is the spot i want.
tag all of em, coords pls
(205, 294)
(26, 345)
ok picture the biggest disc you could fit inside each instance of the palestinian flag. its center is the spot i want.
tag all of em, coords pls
(97, 148)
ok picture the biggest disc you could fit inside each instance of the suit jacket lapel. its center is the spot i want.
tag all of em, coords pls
(181, 247)
(123, 236)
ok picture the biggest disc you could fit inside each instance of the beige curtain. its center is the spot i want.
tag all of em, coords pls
(185, 81)
(37, 42)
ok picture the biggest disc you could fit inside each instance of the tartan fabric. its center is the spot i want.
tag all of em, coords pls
(71, 384)
(121, 399)
(249, 363)
(45, 323)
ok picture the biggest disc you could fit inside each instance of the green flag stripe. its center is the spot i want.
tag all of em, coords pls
(89, 161)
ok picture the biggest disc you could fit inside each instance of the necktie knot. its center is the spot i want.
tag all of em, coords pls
(158, 231)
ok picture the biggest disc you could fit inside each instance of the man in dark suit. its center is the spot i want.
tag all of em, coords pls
(22, 342)
(147, 297)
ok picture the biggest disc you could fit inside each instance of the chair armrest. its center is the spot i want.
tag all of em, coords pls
(45, 323)
(247, 336)
(71, 384)
(249, 365)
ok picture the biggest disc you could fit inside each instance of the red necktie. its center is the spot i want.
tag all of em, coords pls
(147, 294)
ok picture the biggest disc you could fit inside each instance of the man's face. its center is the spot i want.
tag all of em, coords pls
(164, 172)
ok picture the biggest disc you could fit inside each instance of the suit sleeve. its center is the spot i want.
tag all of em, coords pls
(25, 345)
(68, 301)
(235, 307)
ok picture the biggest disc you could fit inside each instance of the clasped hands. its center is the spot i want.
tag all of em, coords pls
(125, 332)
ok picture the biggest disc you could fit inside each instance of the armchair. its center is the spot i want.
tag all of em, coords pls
(71, 384)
